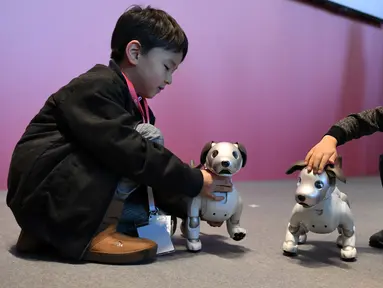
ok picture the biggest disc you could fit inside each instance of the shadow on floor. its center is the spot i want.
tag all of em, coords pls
(211, 244)
(315, 254)
(47, 255)
(216, 245)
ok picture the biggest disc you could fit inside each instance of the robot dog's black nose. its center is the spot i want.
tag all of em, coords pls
(225, 164)
(301, 198)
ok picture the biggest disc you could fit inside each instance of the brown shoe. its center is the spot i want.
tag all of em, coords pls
(111, 247)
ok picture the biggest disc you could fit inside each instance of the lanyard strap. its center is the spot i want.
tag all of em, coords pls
(145, 117)
(152, 208)
(136, 100)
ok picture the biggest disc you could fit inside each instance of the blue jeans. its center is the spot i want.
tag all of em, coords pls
(133, 214)
(135, 210)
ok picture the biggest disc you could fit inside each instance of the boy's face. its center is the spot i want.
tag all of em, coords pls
(151, 72)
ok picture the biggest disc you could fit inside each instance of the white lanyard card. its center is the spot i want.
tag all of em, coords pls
(158, 228)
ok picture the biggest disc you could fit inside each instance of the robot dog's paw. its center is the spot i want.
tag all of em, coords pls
(302, 239)
(194, 245)
(348, 253)
(289, 248)
(238, 233)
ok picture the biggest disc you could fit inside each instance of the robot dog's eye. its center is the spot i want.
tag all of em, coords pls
(299, 180)
(215, 153)
(235, 154)
(318, 184)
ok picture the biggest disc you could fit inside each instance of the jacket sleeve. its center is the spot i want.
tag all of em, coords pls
(98, 121)
(357, 125)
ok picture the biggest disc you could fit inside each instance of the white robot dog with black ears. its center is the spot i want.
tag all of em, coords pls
(321, 208)
(224, 159)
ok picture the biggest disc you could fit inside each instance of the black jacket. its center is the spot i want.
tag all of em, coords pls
(357, 125)
(65, 168)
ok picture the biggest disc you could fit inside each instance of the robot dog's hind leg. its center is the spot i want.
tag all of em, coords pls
(191, 226)
(234, 229)
(339, 239)
(302, 234)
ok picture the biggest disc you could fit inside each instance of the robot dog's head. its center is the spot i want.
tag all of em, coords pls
(223, 158)
(313, 188)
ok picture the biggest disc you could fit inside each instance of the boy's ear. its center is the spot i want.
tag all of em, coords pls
(133, 51)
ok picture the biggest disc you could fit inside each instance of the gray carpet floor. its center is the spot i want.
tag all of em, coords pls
(257, 261)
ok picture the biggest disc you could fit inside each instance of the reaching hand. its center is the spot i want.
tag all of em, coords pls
(213, 183)
(321, 154)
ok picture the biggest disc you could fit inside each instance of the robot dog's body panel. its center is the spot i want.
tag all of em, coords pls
(223, 159)
(219, 211)
(320, 208)
(323, 218)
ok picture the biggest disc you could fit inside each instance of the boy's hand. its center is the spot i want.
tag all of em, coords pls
(321, 154)
(213, 183)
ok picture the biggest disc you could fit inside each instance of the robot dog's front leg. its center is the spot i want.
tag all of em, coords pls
(234, 229)
(293, 231)
(348, 251)
(192, 225)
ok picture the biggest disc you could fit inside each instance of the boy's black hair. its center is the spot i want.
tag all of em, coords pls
(153, 28)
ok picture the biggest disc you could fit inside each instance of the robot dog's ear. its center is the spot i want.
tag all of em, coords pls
(299, 165)
(336, 170)
(205, 150)
(339, 161)
(243, 151)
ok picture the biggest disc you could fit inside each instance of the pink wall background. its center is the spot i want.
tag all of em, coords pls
(273, 75)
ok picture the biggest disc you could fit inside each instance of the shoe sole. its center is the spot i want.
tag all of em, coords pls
(138, 257)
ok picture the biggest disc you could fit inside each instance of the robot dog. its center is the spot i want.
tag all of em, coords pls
(224, 159)
(321, 208)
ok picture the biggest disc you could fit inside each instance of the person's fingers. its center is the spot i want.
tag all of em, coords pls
(308, 157)
(224, 181)
(333, 158)
(223, 188)
(322, 163)
(316, 162)
(310, 162)
(216, 198)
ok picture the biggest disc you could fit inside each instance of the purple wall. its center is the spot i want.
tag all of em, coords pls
(273, 75)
